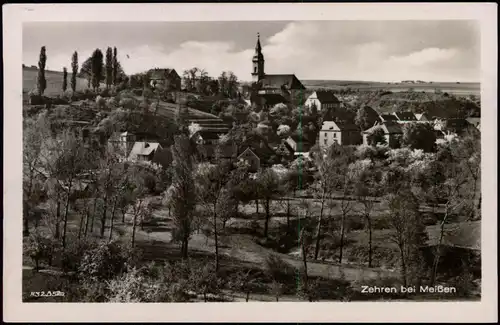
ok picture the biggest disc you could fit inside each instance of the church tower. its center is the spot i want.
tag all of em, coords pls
(258, 62)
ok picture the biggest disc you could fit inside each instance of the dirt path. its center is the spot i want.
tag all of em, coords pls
(245, 249)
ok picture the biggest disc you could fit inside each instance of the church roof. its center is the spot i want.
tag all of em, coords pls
(290, 81)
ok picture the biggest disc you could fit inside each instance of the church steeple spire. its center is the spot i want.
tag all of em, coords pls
(258, 62)
(258, 48)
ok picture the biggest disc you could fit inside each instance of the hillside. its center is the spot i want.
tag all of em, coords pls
(462, 89)
(433, 104)
(54, 81)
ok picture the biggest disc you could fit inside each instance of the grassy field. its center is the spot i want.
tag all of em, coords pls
(54, 81)
(466, 88)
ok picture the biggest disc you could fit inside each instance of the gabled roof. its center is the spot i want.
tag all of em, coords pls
(297, 138)
(290, 81)
(456, 123)
(161, 73)
(347, 126)
(406, 116)
(325, 96)
(144, 148)
(388, 117)
(387, 127)
(208, 134)
(273, 99)
(248, 150)
(474, 120)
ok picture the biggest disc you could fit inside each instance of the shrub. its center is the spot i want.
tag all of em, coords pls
(137, 91)
(134, 286)
(105, 93)
(36, 248)
(280, 271)
(381, 223)
(71, 256)
(355, 223)
(35, 98)
(127, 103)
(103, 262)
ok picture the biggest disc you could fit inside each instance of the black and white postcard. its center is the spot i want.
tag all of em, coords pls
(250, 162)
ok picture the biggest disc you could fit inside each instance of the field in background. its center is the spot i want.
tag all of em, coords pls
(54, 81)
(465, 88)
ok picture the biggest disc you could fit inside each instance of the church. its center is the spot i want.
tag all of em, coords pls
(271, 89)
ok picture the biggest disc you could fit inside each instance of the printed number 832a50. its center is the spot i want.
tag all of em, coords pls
(47, 294)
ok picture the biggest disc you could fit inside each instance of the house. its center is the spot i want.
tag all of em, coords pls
(144, 151)
(284, 150)
(166, 79)
(285, 84)
(405, 117)
(474, 121)
(371, 116)
(323, 100)
(422, 117)
(122, 142)
(268, 100)
(388, 118)
(209, 141)
(298, 144)
(392, 133)
(251, 159)
(340, 133)
(455, 126)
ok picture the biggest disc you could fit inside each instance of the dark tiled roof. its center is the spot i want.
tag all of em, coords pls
(388, 127)
(326, 97)
(347, 126)
(297, 138)
(290, 81)
(393, 127)
(406, 116)
(209, 134)
(273, 99)
(160, 73)
(456, 123)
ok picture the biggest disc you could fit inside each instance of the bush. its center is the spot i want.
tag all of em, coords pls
(100, 102)
(134, 286)
(127, 103)
(36, 248)
(280, 271)
(137, 91)
(105, 261)
(71, 257)
(355, 223)
(381, 223)
(105, 93)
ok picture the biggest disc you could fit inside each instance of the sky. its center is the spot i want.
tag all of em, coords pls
(444, 50)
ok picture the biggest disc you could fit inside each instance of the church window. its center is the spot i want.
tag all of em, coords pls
(255, 69)
(334, 135)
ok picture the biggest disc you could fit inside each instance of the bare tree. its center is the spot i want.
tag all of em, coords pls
(365, 189)
(450, 189)
(408, 230)
(212, 184)
(268, 189)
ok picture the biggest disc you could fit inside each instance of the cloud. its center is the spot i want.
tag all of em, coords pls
(342, 50)
(425, 57)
